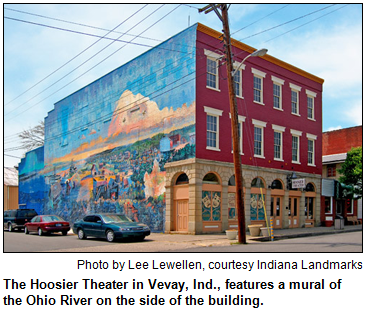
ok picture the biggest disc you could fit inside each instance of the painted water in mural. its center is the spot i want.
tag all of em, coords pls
(106, 145)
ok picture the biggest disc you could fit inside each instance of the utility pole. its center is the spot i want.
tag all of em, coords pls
(234, 117)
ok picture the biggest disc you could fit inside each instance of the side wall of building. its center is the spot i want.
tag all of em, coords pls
(107, 144)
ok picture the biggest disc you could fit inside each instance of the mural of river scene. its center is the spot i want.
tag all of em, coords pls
(129, 180)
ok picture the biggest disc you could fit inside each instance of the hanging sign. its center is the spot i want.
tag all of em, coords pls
(298, 183)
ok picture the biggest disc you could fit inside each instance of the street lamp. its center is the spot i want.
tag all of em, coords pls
(257, 53)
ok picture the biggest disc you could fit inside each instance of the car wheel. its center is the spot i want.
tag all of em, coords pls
(109, 235)
(81, 234)
(10, 227)
(26, 231)
(40, 232)
(64, 233)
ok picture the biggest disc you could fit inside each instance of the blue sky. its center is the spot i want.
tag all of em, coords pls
(322, 39)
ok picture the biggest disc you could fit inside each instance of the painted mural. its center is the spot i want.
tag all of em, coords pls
(32, 187)
(107, 144)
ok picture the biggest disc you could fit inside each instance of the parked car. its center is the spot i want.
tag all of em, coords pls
(110, 226)
(15, 219)
(45, 224)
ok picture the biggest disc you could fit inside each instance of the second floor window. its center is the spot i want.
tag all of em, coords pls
(295, 149)
(310, 152)
(212, 131)
(258, 141)
(212, 128)
(278, 145)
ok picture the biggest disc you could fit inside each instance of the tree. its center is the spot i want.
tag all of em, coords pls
(351, 171)
(32, 138)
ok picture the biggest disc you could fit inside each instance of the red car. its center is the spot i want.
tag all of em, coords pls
(44, 224)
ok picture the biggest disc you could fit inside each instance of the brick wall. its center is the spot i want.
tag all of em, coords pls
(342, 140)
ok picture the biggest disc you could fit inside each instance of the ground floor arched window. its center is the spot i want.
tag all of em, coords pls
(257, 202)
(211, 203)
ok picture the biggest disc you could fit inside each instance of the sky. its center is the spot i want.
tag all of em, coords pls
(53, 50)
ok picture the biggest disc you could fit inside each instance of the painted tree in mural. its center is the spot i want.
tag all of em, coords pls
(33, 137)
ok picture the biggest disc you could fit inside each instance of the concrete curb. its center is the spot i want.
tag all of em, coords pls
(307, 234)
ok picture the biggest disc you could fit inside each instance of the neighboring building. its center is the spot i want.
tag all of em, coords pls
(336, 199)
(152, 140)
(10, 188)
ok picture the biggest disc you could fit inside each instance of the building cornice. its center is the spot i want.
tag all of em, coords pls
(215, 34)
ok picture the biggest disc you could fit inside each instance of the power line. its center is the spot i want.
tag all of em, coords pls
(76, 55)
(79, 24)
(328, 13)
(84, 73)
(264, 17)
(12, 156)
(307, 23)
(97, 63)
(293, 20)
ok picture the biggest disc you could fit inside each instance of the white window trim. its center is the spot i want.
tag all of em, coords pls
(261, 75)
(313, 138)
(279, 82)
(241, 120)
(260, 125)
(279, 129)
(214, 57)
(217, 113)
(298, 134)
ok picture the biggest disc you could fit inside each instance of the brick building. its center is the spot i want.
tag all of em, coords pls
(336, 144)
(152, 140)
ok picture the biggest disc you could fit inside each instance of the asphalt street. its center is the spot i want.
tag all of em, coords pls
(303, 242)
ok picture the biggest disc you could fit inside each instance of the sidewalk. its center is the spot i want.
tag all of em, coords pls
(161, 242)
(219, 239)
(311, 231)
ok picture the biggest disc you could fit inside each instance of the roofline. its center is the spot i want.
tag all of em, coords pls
(213, 33)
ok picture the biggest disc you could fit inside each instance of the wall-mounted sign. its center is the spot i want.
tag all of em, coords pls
(298, 183)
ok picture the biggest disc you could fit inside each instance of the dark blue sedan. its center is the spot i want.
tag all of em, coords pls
(110, 226)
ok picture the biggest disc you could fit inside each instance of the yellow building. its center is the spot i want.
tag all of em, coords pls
(10, 188)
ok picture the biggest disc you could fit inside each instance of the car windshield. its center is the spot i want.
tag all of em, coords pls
(115, 218)
(52, 218)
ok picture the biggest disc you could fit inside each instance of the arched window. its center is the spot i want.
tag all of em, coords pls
(257, 182)
(211, 178)
(276, 184)
(310, 188)
(182, 179)
(232, 181)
